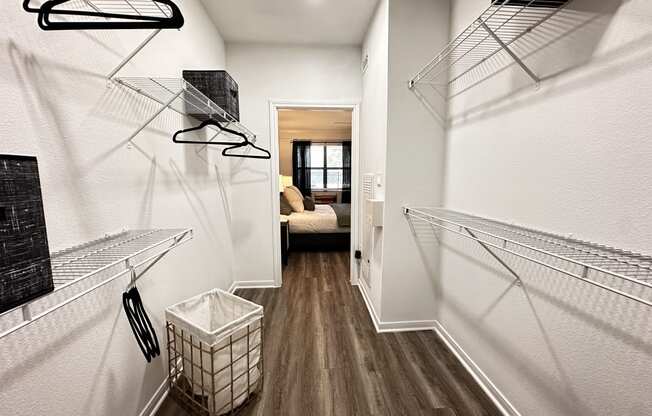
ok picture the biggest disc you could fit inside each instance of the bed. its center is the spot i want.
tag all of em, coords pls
(328, 227)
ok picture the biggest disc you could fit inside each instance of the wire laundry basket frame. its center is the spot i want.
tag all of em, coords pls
(182, 388)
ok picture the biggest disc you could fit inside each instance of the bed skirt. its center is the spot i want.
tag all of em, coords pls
(320, 242)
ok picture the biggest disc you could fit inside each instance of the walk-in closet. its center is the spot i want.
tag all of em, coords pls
(325, 207)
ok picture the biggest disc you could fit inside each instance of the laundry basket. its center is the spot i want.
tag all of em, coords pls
(215, 350)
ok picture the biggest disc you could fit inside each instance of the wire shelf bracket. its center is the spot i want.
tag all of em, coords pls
(622, 272)
(517, 281)
(133, 53)
(182, 97)
(117, 255)
(511, 53)
(499, 26)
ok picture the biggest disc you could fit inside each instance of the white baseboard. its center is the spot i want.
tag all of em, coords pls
(156, 401)
(370, 306)
(252, 284)
(398, 326)
(494, 393)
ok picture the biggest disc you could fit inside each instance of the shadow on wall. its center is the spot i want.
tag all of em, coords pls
(22, 357)
(121, 105)
(99, 321)
(479, 292)
(569, 41)
(203, 215)
(44, 85)
(427, 241)
(242, 173)
(147, 205)
(573, 59)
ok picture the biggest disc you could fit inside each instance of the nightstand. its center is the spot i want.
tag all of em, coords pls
(325, 198)
(285, 240)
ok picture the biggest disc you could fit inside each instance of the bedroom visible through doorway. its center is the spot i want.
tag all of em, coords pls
(316, 178)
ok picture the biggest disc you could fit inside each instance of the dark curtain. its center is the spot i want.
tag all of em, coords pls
(301, 166)
(346, 173)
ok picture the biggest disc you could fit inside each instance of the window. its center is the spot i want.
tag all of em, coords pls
(327, 170)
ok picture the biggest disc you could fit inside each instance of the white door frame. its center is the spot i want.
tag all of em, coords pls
(274, 105)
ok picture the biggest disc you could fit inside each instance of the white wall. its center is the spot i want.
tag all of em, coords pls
(572, 157)
(83, 360)
(415, 161)
(272, 72)
(373, 129)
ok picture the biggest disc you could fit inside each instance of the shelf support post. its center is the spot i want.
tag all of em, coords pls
(511, 53)
(132, 54)
(518, 281)
(27, 312)
(156, 114)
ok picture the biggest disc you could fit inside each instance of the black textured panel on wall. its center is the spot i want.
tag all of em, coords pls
(25, 271)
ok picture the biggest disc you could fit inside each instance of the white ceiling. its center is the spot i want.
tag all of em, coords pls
(321, 125)
(325, 22)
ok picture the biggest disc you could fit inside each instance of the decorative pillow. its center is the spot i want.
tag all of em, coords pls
(294, 198)
(296, 189)
(309, 203)
(286, 208)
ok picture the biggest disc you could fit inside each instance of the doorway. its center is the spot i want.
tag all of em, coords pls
(316, 155)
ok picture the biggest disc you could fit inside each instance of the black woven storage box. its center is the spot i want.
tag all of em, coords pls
(25, 271)
(219, 87)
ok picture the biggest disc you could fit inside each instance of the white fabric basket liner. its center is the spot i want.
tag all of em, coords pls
(213, 316)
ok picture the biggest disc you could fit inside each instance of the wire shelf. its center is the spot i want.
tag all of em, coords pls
(182, 97)
(619, 271)
(76, 270)
(77, 262)
(483, 45)
(127, 7)
(142, 8)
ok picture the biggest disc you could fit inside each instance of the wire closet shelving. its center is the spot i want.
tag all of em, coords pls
(105, 14)
(182, 97)
(82, 269)
(147, 8)
(480, 47)
(621, 272)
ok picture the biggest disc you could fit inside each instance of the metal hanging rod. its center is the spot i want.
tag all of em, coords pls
(622, 272)
(467, 57)
(116, 255)
(180, 96)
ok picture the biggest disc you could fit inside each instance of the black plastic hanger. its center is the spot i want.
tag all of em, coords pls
(140, 323)
(203, 125)
(128, 21)
(136, 328)
(232, 145)
(152, 339)
(266, 156)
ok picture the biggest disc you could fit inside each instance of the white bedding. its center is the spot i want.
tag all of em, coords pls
(320, 221)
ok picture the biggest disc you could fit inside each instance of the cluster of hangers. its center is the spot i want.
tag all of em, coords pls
(139, 321)
(229, 151)
(95, 18)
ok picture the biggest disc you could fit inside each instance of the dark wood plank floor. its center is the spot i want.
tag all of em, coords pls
(324, 357)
